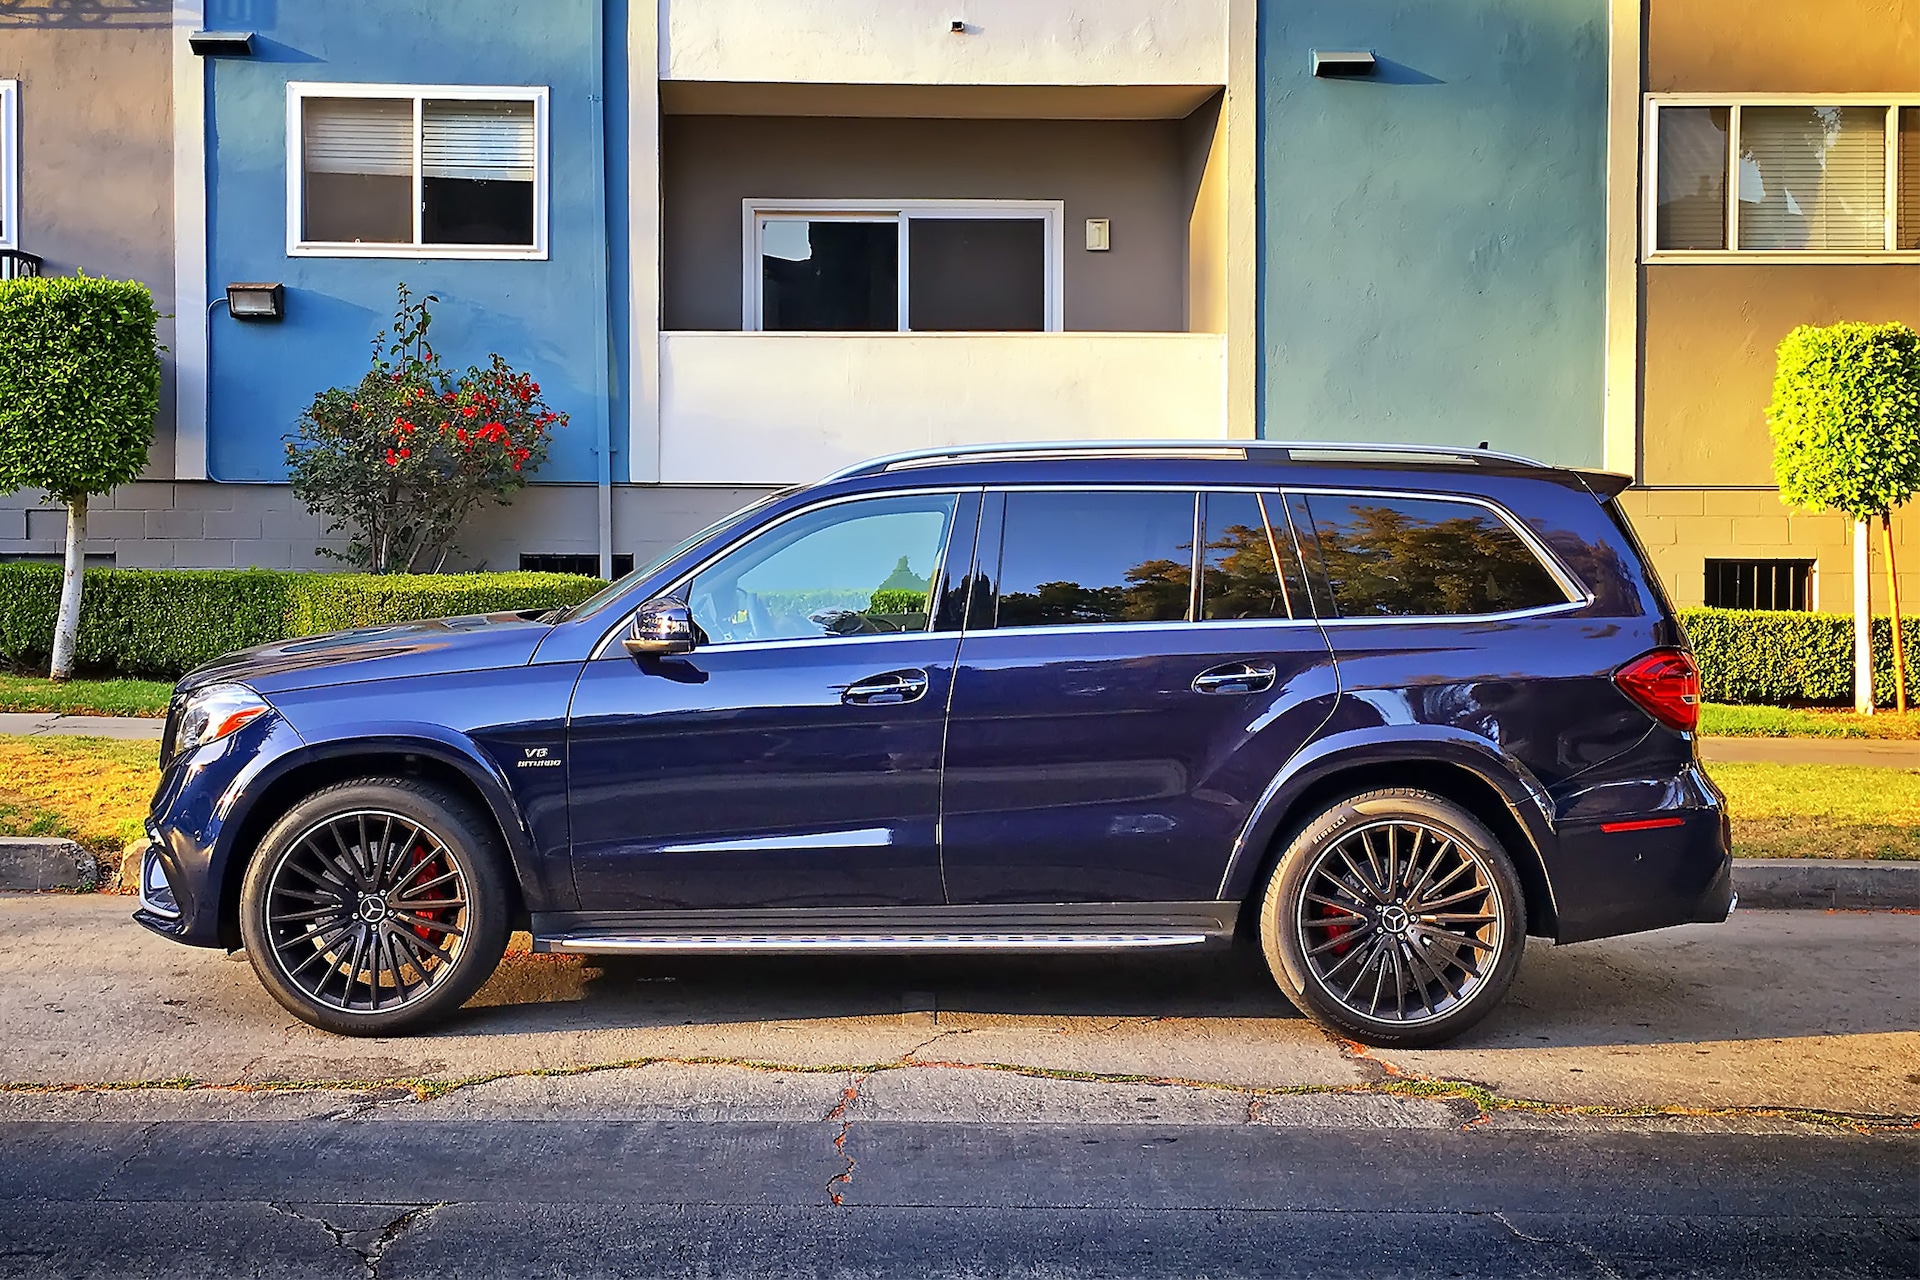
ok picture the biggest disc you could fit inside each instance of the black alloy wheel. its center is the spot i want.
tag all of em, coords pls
(375, 906)
(1394, 918)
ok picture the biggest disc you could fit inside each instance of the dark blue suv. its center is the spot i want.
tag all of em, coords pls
(1387, 710)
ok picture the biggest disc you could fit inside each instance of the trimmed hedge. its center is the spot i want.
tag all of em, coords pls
(165, 622)
(1781, 658)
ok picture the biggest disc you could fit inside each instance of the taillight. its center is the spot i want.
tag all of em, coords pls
(1664, 683)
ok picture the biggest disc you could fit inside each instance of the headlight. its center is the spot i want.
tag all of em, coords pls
(214, 712)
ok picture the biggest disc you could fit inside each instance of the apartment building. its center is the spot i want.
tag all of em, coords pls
(741, 244)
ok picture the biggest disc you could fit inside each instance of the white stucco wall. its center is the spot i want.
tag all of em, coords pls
(778, 408)
(1007, 42)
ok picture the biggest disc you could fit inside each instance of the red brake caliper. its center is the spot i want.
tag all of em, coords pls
(1336, 933)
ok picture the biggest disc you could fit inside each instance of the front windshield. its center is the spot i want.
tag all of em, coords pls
(619, 586)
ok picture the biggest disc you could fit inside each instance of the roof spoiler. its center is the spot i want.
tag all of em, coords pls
(1604, 484)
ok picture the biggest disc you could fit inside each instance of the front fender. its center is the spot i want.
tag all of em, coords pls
(547, 887)
(1371, 747)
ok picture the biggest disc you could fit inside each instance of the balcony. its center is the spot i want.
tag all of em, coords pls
(778, 408)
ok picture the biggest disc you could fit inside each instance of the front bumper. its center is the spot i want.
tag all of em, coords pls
(192, 823)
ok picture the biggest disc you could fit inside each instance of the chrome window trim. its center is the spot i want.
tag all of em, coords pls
(620, 625)
(1578, 596)
(1123, 628)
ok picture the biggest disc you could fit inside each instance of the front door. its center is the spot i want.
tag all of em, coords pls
(793, 758)
(1114, 720)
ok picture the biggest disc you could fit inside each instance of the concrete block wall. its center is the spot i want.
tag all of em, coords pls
(202, 525)
(1683, 528)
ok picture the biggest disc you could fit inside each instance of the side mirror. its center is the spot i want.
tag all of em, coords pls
(661, 628)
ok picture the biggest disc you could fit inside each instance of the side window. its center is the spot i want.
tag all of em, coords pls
(1085, 558)
(1248, 549)
(1397, 557)
(854, 568)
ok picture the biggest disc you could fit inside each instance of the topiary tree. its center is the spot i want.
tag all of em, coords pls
(1845, 421)
(401, 460)
(79, 390)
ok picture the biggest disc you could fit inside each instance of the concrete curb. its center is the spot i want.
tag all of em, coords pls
(1809, 884)
(1826, 884)
(46, 862)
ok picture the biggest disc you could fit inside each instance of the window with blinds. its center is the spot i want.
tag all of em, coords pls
(418, 172)
(1816, 178)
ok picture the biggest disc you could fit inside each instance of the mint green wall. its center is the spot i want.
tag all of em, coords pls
(1431, 261)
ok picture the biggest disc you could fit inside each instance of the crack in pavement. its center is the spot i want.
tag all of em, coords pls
(144, 1146)
(374, 1253)
(1388, 1080)
(1585, 1251)
(841, 1112)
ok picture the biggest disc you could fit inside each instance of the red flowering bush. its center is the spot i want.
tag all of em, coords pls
(401, 460)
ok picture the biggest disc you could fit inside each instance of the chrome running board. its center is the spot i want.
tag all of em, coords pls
(763, 943)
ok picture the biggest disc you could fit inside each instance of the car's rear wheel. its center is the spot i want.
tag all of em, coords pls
(376, 906)
(1394, 918)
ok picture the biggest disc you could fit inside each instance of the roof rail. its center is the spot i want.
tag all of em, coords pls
(1271, 450)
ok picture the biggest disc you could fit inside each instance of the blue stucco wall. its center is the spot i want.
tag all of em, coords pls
(549, 318)
(1431, 261)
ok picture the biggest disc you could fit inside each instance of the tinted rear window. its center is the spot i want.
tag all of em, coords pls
(1423, 557)
(1085, 558)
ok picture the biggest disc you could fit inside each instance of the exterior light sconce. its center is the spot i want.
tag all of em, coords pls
(216, 44)
(257, 301)
(959, 27)
(1344, 65)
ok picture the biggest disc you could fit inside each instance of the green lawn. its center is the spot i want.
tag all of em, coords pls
(84, 697)
(1821, 810)
(91, 790)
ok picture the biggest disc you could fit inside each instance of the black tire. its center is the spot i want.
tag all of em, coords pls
(1394, 918)
(376, 906)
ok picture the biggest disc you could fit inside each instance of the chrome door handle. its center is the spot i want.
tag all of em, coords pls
(1236, 677)
(881, 690)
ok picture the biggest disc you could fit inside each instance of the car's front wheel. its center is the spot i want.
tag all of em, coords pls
(1394, 918)
(376, 906)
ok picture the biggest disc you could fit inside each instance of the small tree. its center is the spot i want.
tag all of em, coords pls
(1845, 421)
(403, 459)
(79, 390)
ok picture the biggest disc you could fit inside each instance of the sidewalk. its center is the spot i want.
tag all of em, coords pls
(37, 723)
(1853, 751)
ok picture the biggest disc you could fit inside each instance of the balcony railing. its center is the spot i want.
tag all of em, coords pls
(15, 265)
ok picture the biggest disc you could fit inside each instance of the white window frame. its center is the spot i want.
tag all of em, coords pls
(9, 164)
(300, 90)
(755, 212)
(1650, 179)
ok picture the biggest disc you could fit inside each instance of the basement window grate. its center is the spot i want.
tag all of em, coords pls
(1760, 584)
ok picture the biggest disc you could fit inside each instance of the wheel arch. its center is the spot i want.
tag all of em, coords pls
(302, 773)
(1500, 793)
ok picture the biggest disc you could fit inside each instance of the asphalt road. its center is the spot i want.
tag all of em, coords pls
(1738, 1100)
(561, 1198)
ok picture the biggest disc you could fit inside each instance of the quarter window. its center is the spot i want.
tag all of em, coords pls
(853, 568)
(1391, 557)
(1075, 558)
(428, 172)
(982, 266)
(1803, 179)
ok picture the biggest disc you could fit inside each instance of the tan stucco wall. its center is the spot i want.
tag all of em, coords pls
(1711, 334)
(96, 155)
(1783, 46)
(1132, 172)
(1683, 528)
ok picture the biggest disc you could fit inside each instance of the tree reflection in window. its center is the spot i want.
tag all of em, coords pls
(1239, 579)
(1082, 558)
(1408, 557)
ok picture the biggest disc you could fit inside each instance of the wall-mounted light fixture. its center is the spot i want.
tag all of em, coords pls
(1099, 235)
(257, 301)
(1337, 65)
(959, 27)
(221, 44)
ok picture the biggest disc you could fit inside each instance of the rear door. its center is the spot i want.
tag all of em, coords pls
(1116, 715)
